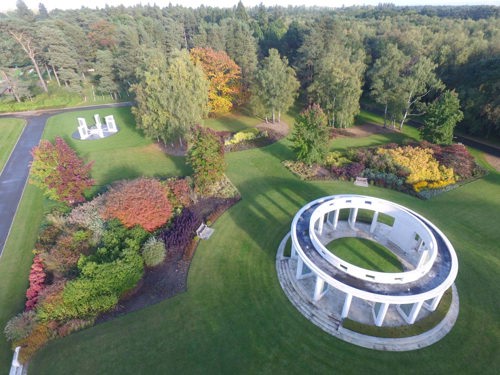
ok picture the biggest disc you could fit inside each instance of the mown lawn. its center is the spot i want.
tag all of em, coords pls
(10, 130)
(126, 154)
(234, 122)
(235, 319)
(366, 254)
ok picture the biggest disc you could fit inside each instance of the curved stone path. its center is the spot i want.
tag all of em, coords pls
(331, 322)
(15, 173)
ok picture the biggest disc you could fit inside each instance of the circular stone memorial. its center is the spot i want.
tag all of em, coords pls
(327, 288)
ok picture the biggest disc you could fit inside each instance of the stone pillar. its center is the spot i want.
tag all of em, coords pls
(336, 219)
(302, 270)
(423, 258)
(374, 222)
(293, 253)
(300, 265)
(319, 289)
(353, 213)
(329, 219)
(379, 319)
(414, 312)
(434, 303)
(320, 224)
(347, 305)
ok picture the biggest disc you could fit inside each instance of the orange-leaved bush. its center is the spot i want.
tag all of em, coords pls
(224, 76)
(141, 202)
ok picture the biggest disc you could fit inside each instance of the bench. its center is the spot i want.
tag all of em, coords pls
(361, 181)
(204, 231)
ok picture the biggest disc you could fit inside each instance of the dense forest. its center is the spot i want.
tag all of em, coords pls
(395, 60)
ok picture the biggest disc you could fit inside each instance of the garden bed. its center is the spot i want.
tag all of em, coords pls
(420, 169)
(262, 135)
(170, 277)
(126, 249)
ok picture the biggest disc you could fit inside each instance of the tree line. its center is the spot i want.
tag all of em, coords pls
(402, 61)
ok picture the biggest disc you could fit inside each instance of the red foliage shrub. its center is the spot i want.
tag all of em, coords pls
(457, 157)
(141, 202)
(59, 172)
(36, 278)
(181, 191)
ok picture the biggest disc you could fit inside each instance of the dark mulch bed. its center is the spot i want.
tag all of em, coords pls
(169, 278)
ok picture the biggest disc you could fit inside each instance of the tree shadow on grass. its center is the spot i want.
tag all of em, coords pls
(268, 206)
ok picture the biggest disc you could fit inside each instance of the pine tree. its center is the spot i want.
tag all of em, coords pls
(441, 118)
(310, 135)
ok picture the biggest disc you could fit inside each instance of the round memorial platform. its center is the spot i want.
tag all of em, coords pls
(328, 289)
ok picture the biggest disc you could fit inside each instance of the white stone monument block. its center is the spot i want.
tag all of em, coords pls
(110, 123)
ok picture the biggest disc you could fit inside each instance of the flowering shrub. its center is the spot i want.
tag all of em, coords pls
(180, 192)
(244, 135)
(423, 167)
(182, 230)
(37, 279)
(141, 202)
(304, 171)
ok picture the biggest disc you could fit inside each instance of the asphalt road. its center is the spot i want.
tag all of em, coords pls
(16, 170)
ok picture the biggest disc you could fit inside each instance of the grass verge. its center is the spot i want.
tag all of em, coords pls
(11, 129)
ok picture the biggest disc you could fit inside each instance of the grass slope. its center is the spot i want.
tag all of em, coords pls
(366, 254)
(235, 319)
(10, 129)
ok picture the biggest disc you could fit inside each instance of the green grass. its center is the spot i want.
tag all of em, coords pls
(15, 263)
(365, 254)
(409, 134)
(126, 154)
(234, 122)
(11, 129)
(234, 317)
(57, 97)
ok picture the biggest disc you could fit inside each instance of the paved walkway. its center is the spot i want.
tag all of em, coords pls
(16, 170)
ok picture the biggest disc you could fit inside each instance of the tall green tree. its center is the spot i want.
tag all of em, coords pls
(310, 135)
(275, 87)
(401, 82)
(104, 73)
(417, 80)
(241, 46)
(441, 118)
(337, 86)
(171, 97)
(384, 76)
(59, 55)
